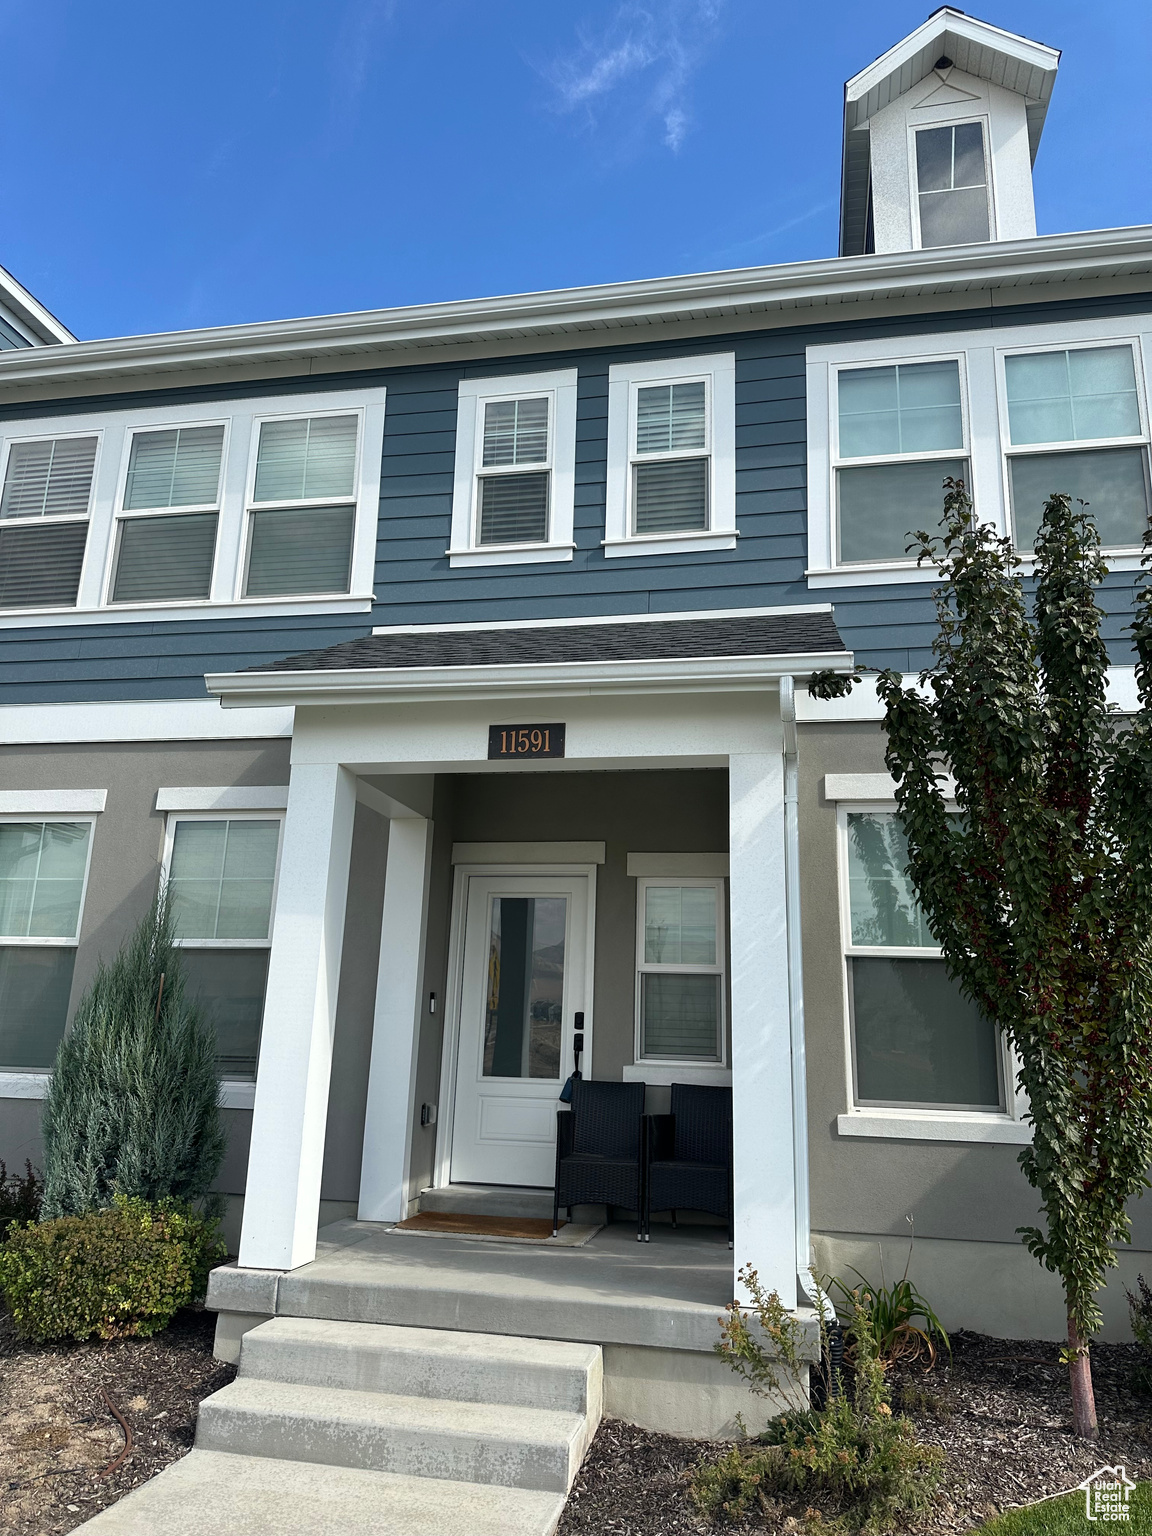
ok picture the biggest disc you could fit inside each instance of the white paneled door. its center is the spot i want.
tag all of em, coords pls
(524, 978)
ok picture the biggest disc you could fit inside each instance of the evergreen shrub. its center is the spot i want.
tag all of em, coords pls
(121, 1271)
(133, 1105)
(20, 1195)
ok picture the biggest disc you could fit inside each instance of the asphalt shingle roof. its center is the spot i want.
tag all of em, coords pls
(757, 635)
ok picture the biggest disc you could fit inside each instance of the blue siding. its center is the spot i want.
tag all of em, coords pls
(890, 625)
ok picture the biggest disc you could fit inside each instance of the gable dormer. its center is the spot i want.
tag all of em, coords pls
(940, 135)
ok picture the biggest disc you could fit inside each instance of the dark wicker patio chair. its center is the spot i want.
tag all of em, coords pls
(598, 1159)
(688, 1155)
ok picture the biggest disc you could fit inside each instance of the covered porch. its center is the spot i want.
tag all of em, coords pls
(678, 764)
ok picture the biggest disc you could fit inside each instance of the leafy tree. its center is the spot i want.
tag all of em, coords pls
(1040, 892)
(132, 1108)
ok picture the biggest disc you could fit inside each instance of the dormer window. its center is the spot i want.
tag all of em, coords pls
(952, 185)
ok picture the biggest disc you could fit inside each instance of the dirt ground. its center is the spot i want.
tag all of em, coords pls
(57, 1433)
(999, 1409)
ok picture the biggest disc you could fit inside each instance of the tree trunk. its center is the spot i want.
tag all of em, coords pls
(1083, 1399)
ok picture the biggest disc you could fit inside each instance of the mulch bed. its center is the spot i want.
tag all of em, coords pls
(57, 1433)
(1000, 1411)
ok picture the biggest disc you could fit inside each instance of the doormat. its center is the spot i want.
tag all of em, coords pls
(496, 1229)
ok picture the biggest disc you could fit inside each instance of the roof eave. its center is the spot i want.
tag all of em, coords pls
(43, 325)
(561, 679)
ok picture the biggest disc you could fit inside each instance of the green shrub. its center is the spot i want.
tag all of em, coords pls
(901, 1321)
(858, 1462)
(110, 1273)
(133, 1105)
(20, 1196)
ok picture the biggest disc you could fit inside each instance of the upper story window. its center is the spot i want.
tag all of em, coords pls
(43, 875)
(166, 530)
(47, 488)
(268, 501)
(514, 490)
(671, 456)
(917, 1041)
(302, 516)
(952, 185)
(900, 434)
(1057, 400)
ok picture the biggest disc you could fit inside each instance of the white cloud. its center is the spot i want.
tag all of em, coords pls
(639, 65)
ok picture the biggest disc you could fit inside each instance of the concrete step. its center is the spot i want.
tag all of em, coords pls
(418, 1436)
(427, 1362)
(210, 1492)
(489, 1200)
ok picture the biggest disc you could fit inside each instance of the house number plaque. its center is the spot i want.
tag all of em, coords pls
(525, 741)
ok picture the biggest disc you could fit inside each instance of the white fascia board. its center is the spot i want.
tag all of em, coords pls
(44, 327)
(614, 307)
(51, 802)
(675, 616)
(28, 725)
(224, 797)
(563, 679)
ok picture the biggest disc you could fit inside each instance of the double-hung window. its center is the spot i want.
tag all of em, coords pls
(514, 488)
(43, 874)
(220, 875)
(47, 488)
(302, 506)
(901, 432)
(671, 449)
(1075, 424)
(952, 185)
(680, 970)
(169, 512)
(917, 1042)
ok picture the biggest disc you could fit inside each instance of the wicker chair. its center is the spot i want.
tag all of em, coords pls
(598, 1159)
(688, 1155)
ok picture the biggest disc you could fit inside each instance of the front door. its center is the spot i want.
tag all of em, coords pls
(523, 980)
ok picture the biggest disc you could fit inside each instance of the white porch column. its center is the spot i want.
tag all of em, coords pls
(762, 1139)
(388, 1119)
(282, 1198)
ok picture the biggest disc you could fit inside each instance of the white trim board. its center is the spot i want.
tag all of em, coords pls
(234, 797)
(675, 616)
(662, 1074)
(528, 853)
(864, 787)
(706, 865)
(25, 725)
(51, 802)
(929, 1125)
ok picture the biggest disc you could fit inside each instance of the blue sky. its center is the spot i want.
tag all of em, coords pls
(203, 162)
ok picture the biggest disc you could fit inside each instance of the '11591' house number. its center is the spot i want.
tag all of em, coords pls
(523, 741)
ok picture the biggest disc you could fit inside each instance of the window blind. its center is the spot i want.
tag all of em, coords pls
(671, 496)
(671, 418)
(305, 459)
(680, 1015)
(49, 479)
(40, 567)
(221, 877)
(175, 468)
(295, 550)
(515, 432)
(162, 559)
(42, 865)
(514, 509)
(35, 983)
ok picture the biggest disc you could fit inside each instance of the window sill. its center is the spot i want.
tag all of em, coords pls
(883, 573)
(34, 1085)
(934, 1125)
(661, 1074)
(237, 1095)
(248, 607)
(510, 554)
(670, 543)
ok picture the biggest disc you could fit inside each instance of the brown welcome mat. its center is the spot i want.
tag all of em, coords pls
(527, 1229)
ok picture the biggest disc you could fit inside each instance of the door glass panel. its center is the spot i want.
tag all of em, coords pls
(525, 1003)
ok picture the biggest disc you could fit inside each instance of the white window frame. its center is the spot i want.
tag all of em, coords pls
(711, 1066)
(988, 438)
(909, 1121)
(241, 417)
(559, 388)
(7, 443)
(625, 380)
(235, 1093)
(31, 941)
(1078, 444)
(914, 179)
